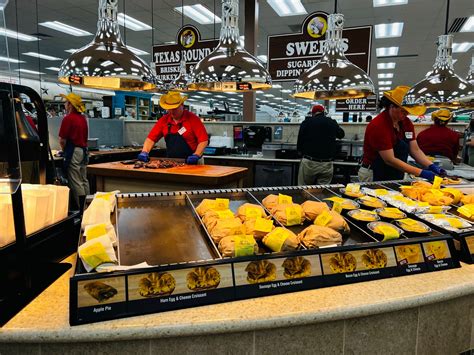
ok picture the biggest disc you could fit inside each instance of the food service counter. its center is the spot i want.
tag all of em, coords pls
(118, 176)
(422, 313)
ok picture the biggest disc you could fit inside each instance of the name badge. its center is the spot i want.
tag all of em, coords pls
(182, 130)
(409, 135)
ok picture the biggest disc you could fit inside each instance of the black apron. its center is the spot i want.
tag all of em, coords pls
(383, 171)
(176, 146)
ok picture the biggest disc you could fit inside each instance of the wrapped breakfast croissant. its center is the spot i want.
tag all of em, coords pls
(289, 214)
(334, 220)
(211, 217)
(281, 239)
(437, 200)
(238, 245)
(270, 202)
(318, 236)
(225, 228)
(250, 211)
(208, 204)
(467, 199)
(258, 228)
(313, 209)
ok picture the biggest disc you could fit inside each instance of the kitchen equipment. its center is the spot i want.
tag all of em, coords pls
(269, 150)
(238, 133)
(93, 143)
(221, 141)
(209, 150)
(254, 136)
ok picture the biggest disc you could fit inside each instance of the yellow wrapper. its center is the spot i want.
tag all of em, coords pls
(388, 233)
(94, 255)
(276, 239)
(467, 210)
(437, 182)
(244, 245)
(323, 219)
(435, 209)
(222, 203)
(337, 207)
(96, 231)
(293, 216)
(284, 199)
(408, 221)
(225, 214)
(381, 192)
(252, 213)
(263, 225)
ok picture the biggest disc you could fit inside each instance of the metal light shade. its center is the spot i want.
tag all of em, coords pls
(441, 87)
(470, 76)
(230, 67)
(106, 63)
(333, 77)
(182, 81)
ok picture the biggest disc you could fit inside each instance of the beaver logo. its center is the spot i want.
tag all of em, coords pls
(188, 38)
(317, 27)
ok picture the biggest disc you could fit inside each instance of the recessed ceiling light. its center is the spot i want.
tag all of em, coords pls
(11, 60)
(461, 47)
(269, 95)
(390, 65)
(198, 13)
(62, 27)
(386, 82)
(387, 51)
(29, 71)
(53, 68)
(132, 23)
(379, 3)
(384, 88)
(21, 36)
(389, 30)
(468, 25)
(137, 51)
(287, 7)
(286, 91)
(385, 75)
(42, 56)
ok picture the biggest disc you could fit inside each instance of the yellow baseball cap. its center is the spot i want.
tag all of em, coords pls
(172, 100)
(396, 96)
(443, 115)
(75, 100)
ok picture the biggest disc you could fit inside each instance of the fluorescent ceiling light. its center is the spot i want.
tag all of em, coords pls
(287, 7)
(53, 68)
(286, 91)
(42, 56)
(387, 51)
(11, 60)
(276, 86)
(132, 23)
(468, 25)
(385, 75)
(386, 82)
(21, 36)
(461, 47)
(390, 65)
(72, 50)
(62, 27)
(384, 88)
(198, 13)
(29, 71)
(389, 30)
(268, 95)
(137, 51)
(263, 58)
(379, 3)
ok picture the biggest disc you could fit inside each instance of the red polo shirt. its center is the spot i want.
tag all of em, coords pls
(439, 140)
(381, 135)
(193, 131)
(74, 128)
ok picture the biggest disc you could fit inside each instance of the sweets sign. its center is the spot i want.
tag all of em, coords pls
(167, 57)
(289, 55)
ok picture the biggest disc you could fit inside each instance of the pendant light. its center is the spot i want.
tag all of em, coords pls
(333, 76)
(470, 76)
(230, 67)
(106, 63)
(441, 87)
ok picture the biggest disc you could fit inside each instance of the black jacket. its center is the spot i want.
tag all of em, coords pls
(317, 137)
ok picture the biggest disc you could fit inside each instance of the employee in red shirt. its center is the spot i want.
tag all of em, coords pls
(184, 133)
(73, 135)
(439, 139)
(390, 138)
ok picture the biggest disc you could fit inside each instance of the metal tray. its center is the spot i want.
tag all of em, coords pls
(159, 229)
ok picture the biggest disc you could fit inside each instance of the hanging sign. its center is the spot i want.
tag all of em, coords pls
(167, 57)
(289, 55)
(367, 104)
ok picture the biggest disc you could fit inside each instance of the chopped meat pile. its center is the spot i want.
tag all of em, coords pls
(157, 164)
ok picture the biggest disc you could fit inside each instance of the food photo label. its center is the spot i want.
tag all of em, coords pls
(163, 290)
(358, 265)
(410, 258)
(270, 276)
(470, 244)
(101, 299)
(438, 255)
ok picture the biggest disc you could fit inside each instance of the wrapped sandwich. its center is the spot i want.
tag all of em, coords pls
(225, 228)
(270, 202)
(259, 227)
(317, 236)
(332, 220)
(238, 245)
(206, 204)
(289, 214)
(211, 217)
(250, 211)
(313, 209)
(281, 239)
